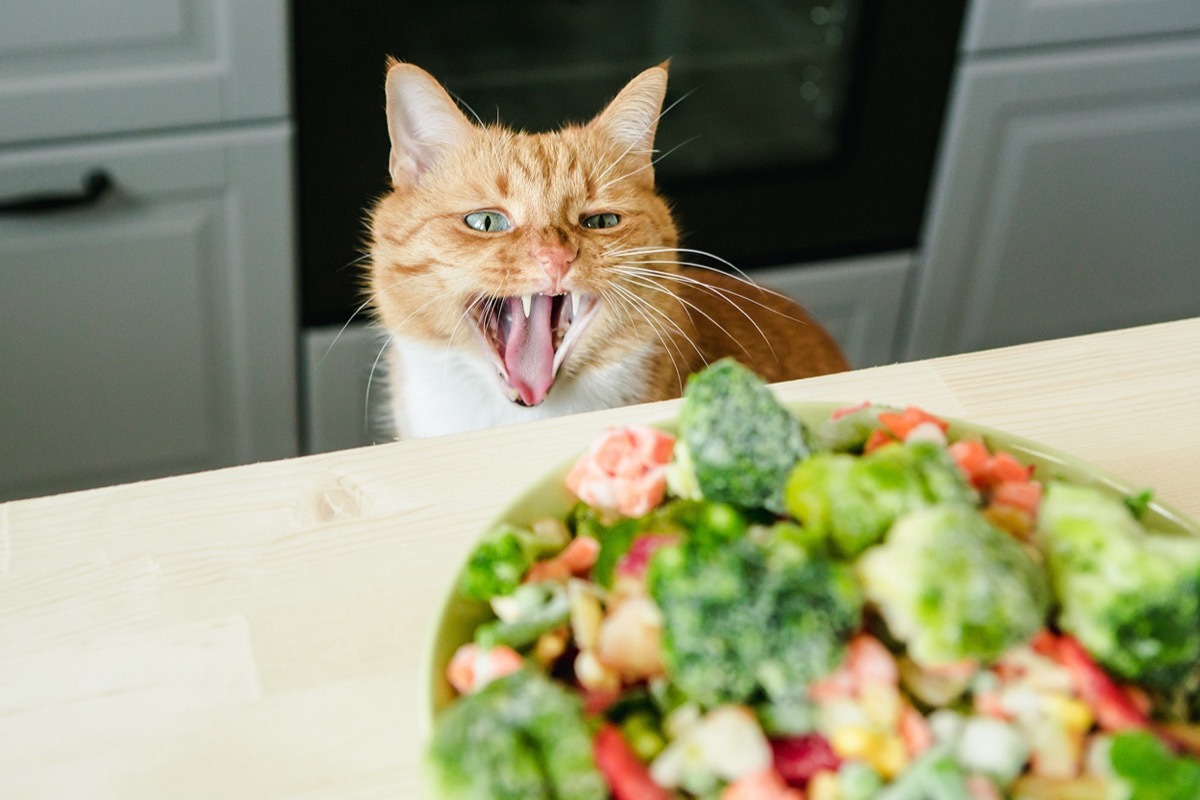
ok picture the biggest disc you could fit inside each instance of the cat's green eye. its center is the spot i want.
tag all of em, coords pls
(487, 221)
(605, 220)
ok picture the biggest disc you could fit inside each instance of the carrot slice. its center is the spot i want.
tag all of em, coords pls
(972, 457)
(1024, 495)
(626, 775)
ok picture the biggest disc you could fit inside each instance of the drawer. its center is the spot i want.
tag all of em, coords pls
(148, 330)
(1002, 24)
(71, 69)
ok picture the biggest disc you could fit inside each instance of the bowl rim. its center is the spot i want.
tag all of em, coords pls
(547, 491)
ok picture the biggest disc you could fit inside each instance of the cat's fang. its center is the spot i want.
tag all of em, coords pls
(528, 337)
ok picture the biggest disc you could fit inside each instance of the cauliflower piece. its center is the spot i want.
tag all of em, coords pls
(953, 587)
(724, 745)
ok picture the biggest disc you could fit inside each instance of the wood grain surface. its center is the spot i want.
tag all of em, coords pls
(260, 632)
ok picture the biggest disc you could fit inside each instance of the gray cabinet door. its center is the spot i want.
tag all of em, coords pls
(150, 332)
(858, 300)
(999, 24)
(1067, 198)
(69, 68)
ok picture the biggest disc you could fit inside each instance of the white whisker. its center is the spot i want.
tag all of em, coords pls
(371, 377)
(642, 133)
(375, 364)
(687, 304)
(648, 251)
(652, 162)
(651, 307)
(726, 293)
(631, 296)
(478, 301)
(458, 99)
(741, 278)
(646, 283)
(716, 291)
(370, 299)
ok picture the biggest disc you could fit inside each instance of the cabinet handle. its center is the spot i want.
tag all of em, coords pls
(96, 183)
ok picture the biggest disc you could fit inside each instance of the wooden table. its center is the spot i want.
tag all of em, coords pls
(259, 632)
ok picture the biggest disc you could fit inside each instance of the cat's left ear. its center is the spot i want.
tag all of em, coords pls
(423, 122)
(632, 117)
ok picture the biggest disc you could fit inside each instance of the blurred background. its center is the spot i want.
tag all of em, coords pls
(183, 186)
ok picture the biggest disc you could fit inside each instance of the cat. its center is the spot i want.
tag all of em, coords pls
(520, 276)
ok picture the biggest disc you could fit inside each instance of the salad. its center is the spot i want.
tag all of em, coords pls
(755, 608)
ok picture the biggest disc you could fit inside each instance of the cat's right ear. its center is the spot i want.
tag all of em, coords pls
(632, 117)
(423, 122)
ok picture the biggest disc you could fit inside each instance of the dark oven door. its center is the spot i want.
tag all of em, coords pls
(798, 130)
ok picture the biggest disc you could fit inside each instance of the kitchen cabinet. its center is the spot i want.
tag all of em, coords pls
(148, 328)
(1005, 24)
(1066, 195)
(80, 69)
(345, 387)
(858, 300)
(147, 333)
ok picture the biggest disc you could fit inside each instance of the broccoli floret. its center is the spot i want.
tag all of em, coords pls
(953, 587)
(741, 442)
(1139, 503)
(696, 518)
(502, 557)
(615, 537)
(935, 775)
(849, 431)
(1131, 596)
(707, 526)
(1149, 770)
(749, 616)
(520, 736)
(854, 500)
(536, 608)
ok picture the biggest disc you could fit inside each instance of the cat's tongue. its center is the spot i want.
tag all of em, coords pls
(529, 349)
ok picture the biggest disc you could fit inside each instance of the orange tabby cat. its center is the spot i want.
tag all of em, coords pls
(522, 276)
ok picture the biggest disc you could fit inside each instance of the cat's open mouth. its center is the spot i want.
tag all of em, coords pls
(529, 336)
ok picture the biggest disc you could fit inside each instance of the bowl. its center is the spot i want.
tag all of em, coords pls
(547, 496)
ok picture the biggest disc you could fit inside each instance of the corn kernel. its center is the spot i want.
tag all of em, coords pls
(881, 702)
(1073, 713)
(550, 646)
(822, 786)
(889, 757)
(586, 614)
(594, 675)
(854, 741)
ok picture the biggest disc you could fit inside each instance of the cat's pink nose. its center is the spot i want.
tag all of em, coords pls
(555, 259)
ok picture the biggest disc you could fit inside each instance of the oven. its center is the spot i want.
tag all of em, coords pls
(799, 144)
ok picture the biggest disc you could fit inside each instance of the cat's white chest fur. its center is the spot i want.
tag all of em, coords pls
(439, 391)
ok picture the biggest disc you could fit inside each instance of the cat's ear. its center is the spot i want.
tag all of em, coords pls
(423, 122)
(632, 117)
